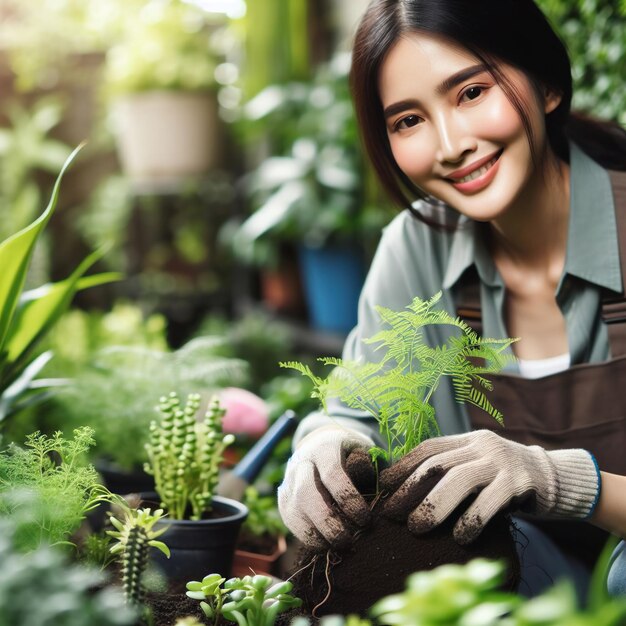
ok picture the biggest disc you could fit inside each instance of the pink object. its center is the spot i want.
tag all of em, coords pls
(246, 413)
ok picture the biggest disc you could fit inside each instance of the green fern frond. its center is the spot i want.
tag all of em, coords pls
(397, 390)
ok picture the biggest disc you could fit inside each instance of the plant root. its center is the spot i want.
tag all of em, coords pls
(309, 564)
(329, 562)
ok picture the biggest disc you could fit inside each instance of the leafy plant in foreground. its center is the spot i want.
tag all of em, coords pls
(41, 588)
(26, 316)
(135, 536)
(471, 595)
(396, 391)
(48, 487)
(184, 455)
(249, 601)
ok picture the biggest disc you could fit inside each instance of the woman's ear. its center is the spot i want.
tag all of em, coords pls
(551, 100)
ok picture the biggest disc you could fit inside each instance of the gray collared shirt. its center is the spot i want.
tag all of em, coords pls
(414, 259)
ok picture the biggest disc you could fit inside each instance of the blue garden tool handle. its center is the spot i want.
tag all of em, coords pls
(253, 461)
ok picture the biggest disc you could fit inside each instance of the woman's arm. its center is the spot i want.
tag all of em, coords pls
(610, 512)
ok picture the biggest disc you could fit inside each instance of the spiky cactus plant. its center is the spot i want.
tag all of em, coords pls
(184, 455)
(135, 536)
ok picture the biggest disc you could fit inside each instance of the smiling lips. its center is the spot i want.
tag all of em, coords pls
(476, 176)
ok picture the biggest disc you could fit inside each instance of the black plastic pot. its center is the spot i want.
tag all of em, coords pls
(121, 481)
(199, 547)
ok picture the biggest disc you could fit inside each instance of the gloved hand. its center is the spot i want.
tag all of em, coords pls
(560, 483)
(316, 485)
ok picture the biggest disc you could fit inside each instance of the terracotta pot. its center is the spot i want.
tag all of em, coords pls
(246, 562)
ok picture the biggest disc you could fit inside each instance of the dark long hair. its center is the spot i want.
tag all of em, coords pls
(495, 31)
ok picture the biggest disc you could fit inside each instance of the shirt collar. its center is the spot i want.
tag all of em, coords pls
(592, 245)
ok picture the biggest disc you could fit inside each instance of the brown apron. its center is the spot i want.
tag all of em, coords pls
(581, 407)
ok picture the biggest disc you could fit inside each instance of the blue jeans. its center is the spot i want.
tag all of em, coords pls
(543, 563)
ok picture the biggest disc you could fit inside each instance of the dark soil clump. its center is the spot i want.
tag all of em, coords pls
(384, 554)
(168, 607)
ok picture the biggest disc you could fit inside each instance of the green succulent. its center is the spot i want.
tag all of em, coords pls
(184, 455)
(135, 536)
(248, 601)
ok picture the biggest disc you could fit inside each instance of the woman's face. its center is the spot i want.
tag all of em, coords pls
(453, 131)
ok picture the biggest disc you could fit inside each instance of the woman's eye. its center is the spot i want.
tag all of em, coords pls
(472, 93)
(407, 122)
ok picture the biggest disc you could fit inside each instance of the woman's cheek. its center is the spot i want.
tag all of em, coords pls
(413, 158)
(501, 121)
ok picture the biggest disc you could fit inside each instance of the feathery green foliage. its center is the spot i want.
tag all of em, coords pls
(184, 455)
(48, 486)
(397, 390)
(135, 536)
(109, 393)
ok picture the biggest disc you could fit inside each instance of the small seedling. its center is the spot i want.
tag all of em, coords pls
(397, 390)
(248, 601)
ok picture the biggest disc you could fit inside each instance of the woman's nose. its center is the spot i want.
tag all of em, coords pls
(454, 140)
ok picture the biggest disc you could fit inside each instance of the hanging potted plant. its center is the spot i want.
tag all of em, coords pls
(395, 392)
(184, 456)
(313, 192)
(161, 79)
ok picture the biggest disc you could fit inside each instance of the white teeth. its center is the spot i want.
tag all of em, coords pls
(479, 172)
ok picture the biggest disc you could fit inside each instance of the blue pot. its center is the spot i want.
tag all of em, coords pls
(333, 277)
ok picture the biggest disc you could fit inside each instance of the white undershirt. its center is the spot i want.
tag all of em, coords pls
(537, 368)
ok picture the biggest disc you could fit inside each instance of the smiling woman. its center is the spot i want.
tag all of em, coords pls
(514, 211)
(448, 126)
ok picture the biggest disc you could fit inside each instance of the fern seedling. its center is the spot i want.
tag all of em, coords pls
(397, 390)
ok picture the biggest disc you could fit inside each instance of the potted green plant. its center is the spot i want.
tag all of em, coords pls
(161, 77)
(262, 540)
(315, 190)
(109, 394)
(184, 455)
(395, 392)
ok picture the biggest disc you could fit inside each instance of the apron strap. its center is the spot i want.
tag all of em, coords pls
(613, 305)
(468, 300)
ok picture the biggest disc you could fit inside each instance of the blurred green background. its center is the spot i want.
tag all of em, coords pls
(222, 159)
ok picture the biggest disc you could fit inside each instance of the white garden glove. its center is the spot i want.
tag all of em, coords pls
(503, 474)
(316, 492)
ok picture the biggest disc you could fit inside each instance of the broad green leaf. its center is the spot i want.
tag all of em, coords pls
(15, 255)
(23, 382)
(39, 309)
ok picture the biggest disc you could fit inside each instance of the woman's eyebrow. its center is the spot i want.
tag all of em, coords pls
(449, 83)
(458, 78)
